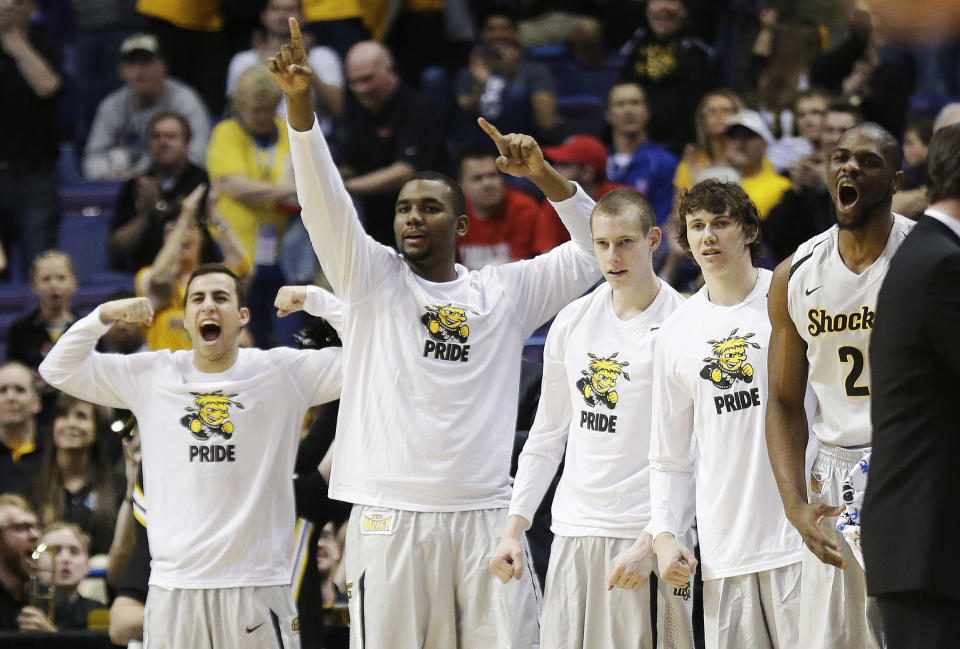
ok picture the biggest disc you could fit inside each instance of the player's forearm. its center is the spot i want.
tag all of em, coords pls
(515, 527)
(300, 111)
(126, 620)
(672, 497)
(387, 179)
(554, 186)
(124, 540)
(786, 432)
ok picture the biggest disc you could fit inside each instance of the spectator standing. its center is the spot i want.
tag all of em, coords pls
(636, 161)
(191, 31)
(117, 146)
(502, 219)
(102, 26)
(390, 132)
(324, 62)
(149, 200)
(20, 450)
(29, 85)
(501, 87)
(673, 67)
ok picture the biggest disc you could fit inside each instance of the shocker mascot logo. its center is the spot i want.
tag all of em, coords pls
(209, 416)
(600, 379)
(448, 330)
(597, 387)
(729, 365)
(729, 362)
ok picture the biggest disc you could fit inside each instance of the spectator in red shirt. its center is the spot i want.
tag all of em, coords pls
(502, 219)
(582, 159)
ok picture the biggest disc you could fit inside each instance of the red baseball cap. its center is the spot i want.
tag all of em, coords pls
(581, 149)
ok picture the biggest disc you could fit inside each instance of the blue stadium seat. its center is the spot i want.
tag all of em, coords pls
(580, 115)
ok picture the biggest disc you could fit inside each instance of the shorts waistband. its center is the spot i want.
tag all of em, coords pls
(841, 455)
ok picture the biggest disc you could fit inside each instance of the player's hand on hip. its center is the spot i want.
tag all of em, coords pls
(676, 563)
(520, 155)
(507, 561)
(131, 309)
(290, 66)
(807, 519)
(290, 299)
(631, 568)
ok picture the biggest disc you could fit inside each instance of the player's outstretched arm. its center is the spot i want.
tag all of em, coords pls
(507, 561)
(351, 260)
(521, 157)
(631, 568)
(73, 366)
(786, 423)
(675, 561)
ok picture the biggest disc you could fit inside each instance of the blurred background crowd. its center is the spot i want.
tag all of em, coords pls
(141, 138)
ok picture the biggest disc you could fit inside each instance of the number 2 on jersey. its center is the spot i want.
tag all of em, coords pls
(848, 354)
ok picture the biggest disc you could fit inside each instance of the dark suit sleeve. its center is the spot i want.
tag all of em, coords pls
(943, 310)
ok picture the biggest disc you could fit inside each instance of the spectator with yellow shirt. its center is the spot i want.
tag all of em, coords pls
(249, 164)
(710, 123)
(748, 137)
(164, 282)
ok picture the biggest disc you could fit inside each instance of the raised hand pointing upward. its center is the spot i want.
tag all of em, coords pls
(520, 156)
(292, 73)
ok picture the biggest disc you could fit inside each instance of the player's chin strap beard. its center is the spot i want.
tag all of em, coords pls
(865, 214)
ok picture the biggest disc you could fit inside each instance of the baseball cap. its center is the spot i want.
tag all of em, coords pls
(581, 149)
(140, 43)
(752, 121)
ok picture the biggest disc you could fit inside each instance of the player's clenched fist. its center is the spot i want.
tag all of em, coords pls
(131, 309)
(631, 568)
(290, 67)
(290, 299)
(507, 561)
(675, 561)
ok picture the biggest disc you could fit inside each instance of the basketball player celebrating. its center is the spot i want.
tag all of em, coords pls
(709, 397)
(595, 402)
(822, 306)
(219, 428)
(432, 368)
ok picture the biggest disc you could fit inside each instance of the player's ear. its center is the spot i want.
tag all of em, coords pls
(896, 181)
(462, 225)
(244, 316)
(655, 235)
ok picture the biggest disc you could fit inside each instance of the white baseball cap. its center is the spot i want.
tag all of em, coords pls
(752, 121)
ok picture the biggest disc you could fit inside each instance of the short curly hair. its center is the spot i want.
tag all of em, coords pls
(719, 197)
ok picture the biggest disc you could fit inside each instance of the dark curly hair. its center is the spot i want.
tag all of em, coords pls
(719, 197)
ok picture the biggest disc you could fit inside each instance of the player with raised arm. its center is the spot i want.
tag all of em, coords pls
(822, 305)
(431, 368)
(219, 427)
(709, 398)
(595, 401)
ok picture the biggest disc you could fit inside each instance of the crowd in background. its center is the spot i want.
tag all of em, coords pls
(169, 100)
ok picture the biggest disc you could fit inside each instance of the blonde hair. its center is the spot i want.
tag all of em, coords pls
(256, 81)
(16, 500)
(82, 537)
(52, 253)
